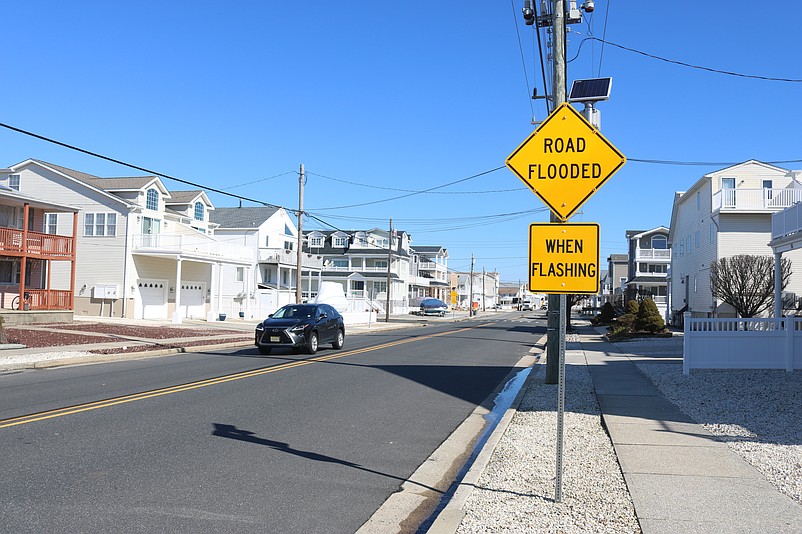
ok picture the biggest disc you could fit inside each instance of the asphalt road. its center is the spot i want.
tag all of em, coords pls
(231, 441)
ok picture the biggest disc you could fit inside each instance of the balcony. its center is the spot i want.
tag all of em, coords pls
(646, 254)
(290, 258)
(38, 245)
(166, 244)
(755, 199)
(787, 222)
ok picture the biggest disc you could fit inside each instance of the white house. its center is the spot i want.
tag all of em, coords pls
(141, 252)
(362, 261)
(260, 289)
(726, 213)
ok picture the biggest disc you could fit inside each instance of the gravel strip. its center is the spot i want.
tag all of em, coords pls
(758, 413)
(516, 491)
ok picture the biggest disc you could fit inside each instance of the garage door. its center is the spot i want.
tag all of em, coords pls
(153, 298)
(192, 300)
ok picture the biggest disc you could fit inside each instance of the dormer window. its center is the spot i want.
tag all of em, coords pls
(340, 241)
(199, 211)
(316, 242)
(152, 200)
(13, 181)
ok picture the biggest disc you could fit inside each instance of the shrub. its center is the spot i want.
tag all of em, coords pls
(628, 319)
(648, 318)
(607, 314)
(618, 332)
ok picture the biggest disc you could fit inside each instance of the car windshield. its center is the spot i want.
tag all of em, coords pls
(295, 312)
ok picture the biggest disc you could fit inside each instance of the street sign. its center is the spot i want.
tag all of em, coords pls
(564, 258)
(565, 161)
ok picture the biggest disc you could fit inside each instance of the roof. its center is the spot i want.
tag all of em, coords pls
(249, 217)
(431, 249)
(184, 197)
(637, 234)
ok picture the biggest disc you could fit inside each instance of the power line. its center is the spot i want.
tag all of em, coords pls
(413, 193)
(385, 188)
(689, 65)
(523, 60)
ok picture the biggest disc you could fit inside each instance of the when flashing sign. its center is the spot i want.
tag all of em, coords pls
(564, 258)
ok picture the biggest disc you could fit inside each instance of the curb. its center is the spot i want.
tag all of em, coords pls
(450, 518)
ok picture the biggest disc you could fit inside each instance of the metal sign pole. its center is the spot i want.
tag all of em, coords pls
(558, 479)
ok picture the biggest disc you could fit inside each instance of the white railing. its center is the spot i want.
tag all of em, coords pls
(754, 343)
(652, 254)
(755, 199)
(357, 269)
(786, 222)
(289, 257)
(184, 244)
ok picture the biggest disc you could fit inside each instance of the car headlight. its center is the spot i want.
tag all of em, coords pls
(299, 328)
(260, 326)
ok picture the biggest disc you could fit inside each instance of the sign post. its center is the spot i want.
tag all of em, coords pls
(564, 162)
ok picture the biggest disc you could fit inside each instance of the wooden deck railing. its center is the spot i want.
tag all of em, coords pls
(45, 246)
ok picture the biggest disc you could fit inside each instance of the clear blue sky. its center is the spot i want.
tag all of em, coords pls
(395, 96)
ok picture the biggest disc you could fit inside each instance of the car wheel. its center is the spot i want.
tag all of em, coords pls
(264, 350)
(339, 341)
(311, 345)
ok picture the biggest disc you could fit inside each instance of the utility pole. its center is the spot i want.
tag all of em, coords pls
(299, 264)
(484, 297)
(558, 98)
(470, 292)
(389, 263)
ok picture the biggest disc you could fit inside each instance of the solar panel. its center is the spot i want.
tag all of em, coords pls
(590, 90)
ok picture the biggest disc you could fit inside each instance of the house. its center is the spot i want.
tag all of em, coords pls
(429, 273)
(484, 285)
(725, 213)
(648, 265)
(260, 289)
(363, 261)
(617, 274)
(32, 243)
(140, 252)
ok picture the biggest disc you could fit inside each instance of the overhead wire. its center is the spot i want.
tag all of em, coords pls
(523, 59)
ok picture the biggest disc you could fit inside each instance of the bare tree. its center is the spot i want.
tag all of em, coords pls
(746, 282)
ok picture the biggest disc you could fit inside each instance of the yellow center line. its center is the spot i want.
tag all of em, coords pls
(124, 399)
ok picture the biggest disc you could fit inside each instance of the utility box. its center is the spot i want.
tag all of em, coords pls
(108, 291)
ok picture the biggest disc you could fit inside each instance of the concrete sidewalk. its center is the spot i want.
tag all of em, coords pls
(681, 478)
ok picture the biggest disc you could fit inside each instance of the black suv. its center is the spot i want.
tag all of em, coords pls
(301, 326)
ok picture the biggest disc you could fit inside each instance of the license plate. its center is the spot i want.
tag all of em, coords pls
(275, 339)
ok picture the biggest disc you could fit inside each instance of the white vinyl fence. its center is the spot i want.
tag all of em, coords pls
(755, 343)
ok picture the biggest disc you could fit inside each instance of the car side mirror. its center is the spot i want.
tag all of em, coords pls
(269, 316)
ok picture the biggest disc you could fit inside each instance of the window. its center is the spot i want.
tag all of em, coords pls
(696, 238)
(13, 181)
(379, 287)
(51, 223)
(682, 248)
(380, 264)
(100, 224)
(287, 230)
(688, 244)
(316, 242)
(199, 211)
(712, 233)
(340, 241)
(339, 264)
(152, 200)
(383, 242)
(288, 245)
(240, 274)
(660, 242)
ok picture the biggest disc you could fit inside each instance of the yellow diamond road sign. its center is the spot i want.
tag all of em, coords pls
(564, 258)
(565, 161)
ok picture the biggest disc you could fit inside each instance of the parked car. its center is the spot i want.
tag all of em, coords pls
(432, 306)
(301, 326)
